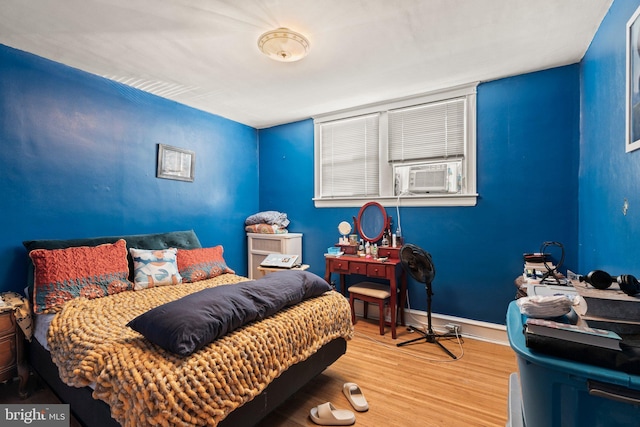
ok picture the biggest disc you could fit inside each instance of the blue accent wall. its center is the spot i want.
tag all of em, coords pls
(609, 240)
(528, 184)
(78, 159)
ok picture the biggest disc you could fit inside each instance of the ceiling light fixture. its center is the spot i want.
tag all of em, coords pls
(284, 45)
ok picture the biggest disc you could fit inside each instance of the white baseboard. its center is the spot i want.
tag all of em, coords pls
(475, 329)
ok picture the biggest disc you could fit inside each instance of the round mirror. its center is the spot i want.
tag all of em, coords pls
(344, 228)
(372, 221)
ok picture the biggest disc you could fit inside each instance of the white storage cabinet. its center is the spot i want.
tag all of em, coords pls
(261, 245)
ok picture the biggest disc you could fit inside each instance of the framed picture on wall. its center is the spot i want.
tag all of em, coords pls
(175, 163)
(632, 140)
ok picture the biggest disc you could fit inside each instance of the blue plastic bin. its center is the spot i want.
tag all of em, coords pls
(563, 393)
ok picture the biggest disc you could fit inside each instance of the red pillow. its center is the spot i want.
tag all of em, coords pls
(201, 263)
(82, 271)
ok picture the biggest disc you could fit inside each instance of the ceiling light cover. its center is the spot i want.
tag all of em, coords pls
(284, 45)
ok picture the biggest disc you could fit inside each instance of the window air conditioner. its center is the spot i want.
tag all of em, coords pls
(430, 178)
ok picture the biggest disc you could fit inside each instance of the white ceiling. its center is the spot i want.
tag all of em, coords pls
(203, 53)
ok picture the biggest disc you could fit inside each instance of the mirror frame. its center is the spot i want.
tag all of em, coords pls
(386, 222)
(348, 232)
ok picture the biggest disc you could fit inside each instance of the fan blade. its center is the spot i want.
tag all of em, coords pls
(418, 263)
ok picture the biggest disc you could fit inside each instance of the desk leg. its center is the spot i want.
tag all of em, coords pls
(327, 272)
(403, 295)
(343, 284)
(23, 369)
(393, 305)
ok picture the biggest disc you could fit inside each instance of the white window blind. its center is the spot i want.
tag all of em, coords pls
(428, 132)
(350, 157)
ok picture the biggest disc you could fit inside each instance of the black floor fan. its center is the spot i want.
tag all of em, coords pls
(418, 263)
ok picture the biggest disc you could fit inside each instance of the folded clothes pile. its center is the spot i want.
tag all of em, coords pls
(546, 307)
(267, 222)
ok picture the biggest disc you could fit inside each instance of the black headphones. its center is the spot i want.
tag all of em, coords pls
(602, 280)
(551, 271)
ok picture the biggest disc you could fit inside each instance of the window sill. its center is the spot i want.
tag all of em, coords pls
(414, 201)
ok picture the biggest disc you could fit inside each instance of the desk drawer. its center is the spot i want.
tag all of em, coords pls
(7, 352)
(7, 324)
(358, 268)
(387, 251)
(339, 266)
(377, 270)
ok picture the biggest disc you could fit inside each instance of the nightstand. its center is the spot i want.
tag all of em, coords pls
(12, 351)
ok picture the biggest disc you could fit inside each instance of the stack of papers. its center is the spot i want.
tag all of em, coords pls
(280, 260)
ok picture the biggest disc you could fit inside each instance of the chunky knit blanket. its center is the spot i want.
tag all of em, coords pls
(146, 385)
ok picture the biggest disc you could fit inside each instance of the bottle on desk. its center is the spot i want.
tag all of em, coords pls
(398, 238)
(385, 239)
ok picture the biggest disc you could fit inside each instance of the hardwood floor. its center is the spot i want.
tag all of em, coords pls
(415, 385)
(37, 394)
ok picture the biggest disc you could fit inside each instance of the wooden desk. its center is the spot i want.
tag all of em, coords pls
(390, 270)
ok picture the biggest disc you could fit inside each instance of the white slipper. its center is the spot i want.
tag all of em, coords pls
(327, 415)
(355, 397)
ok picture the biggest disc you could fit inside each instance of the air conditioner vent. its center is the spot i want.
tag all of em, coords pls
(428, 178)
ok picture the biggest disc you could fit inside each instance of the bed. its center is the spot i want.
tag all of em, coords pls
(87, 351)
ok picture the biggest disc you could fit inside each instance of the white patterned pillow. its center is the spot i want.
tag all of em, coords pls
(154, 268)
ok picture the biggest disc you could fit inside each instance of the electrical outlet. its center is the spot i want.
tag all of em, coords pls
(453, 327)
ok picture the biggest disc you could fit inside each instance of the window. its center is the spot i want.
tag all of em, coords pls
(350, 163)
(419, 151)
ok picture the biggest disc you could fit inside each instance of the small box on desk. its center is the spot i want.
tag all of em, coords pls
(348, 249)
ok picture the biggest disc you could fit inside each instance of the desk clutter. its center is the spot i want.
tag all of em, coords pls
(552, 389)
(381, 254)
(541, 269)
(577, 346)
(365, 248)
(599, 327)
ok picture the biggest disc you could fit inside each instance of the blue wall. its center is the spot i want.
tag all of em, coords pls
(78, 159)
(527, 180)
(609, 240)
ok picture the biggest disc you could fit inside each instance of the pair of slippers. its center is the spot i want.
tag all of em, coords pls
(328, 415)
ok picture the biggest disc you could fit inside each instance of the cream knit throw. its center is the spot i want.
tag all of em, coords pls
(146, 385)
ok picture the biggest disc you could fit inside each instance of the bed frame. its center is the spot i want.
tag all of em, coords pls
(96, 413)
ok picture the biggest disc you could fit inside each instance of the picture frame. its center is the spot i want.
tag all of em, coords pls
(632, 122)
(175, 163)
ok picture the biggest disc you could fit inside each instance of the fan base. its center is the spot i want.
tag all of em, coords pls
(431, 337)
